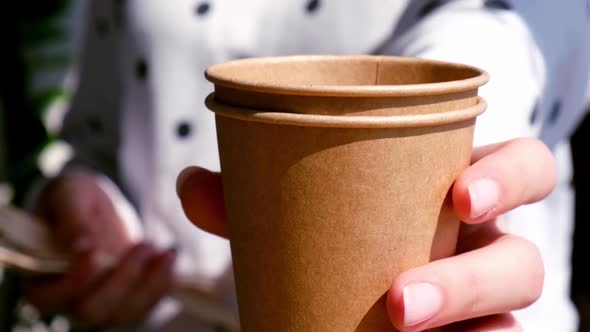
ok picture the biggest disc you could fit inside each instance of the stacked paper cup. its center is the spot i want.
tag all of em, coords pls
(336, 174)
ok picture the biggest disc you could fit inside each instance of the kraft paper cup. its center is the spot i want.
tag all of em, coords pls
(336, 175)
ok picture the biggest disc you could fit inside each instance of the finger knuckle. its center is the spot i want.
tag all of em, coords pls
(543, 152)
(533, 277)
(474, 301)
(534, 289)
(532, 149)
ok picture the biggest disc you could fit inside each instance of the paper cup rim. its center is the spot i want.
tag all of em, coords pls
(217, 74)
(340, 121)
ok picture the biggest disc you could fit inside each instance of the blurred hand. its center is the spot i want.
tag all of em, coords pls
(113, 282)
(493, 272)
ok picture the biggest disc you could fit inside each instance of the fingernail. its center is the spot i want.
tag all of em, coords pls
(484, 195)
(421, 302)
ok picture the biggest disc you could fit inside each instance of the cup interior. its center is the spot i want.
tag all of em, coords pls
(339, 71)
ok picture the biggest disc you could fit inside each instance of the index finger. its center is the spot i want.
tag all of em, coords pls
(503, 177)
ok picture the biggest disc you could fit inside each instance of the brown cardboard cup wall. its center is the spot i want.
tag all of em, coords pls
(336, 171)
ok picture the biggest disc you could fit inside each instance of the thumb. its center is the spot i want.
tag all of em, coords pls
(81, 215)
(72, 228)
(201, 196)
(503, 177)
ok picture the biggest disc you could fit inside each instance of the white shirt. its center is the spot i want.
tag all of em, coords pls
(138, 116)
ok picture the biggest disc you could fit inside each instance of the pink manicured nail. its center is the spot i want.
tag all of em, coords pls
(484, 195)
(422, 301)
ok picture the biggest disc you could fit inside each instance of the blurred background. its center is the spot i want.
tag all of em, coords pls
(41, 42)
(38, 77)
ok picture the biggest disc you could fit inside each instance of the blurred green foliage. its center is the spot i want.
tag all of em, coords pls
(27, 27)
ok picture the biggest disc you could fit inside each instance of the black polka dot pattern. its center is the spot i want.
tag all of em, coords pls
(535, 113)
(183, 129)
(312, 6)
(174, 248)
(119, 7)
(429, 8)
(95, 125)
(498, 4)
(555, 112)
(141, 69)
(102, 27)
(203, 9)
